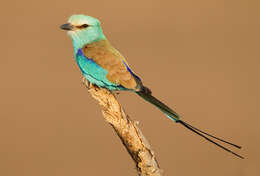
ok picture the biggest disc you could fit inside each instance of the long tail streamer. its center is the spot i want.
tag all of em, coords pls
(174, 116)
(195, 130)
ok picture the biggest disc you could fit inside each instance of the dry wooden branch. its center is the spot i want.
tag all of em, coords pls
(127, 130)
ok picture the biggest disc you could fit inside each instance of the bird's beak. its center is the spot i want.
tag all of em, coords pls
(67, 27)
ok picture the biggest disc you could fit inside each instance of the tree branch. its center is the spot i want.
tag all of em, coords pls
(127, 130)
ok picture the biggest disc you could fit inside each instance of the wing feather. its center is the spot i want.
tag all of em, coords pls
(111, 60)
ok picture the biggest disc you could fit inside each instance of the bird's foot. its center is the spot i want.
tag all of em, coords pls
(86, 82)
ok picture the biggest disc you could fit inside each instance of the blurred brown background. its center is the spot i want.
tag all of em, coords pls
(200, 57)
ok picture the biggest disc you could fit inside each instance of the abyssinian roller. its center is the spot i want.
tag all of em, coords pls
(101, 64)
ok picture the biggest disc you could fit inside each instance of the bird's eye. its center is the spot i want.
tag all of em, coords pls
(83, 26)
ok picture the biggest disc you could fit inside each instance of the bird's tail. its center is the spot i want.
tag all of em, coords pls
(146, 95)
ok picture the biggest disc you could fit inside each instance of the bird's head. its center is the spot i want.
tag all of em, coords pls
(83, 30)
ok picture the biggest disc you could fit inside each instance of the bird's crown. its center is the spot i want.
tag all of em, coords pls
(78, 20)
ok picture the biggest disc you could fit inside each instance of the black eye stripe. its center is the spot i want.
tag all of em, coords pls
(83, 26)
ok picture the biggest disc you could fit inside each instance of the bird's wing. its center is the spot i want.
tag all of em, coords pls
(119, 72)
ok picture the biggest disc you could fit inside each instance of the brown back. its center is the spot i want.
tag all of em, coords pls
(111, 60)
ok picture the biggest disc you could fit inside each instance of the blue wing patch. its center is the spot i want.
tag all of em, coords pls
(130, 71)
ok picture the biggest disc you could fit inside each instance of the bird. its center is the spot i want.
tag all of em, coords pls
(104, 66)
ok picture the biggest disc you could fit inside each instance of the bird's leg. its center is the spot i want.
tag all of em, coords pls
(89, 85)
(86, 82)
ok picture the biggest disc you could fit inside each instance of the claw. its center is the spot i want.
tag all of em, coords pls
(86, 82)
